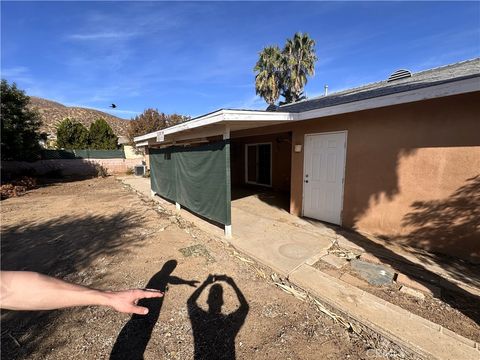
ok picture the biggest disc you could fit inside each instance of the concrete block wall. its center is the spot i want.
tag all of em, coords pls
(71, 166)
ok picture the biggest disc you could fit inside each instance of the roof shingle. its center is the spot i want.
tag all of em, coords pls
(454, 72)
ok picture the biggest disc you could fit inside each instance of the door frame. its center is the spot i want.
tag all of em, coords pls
(344, 167)
(246, 163)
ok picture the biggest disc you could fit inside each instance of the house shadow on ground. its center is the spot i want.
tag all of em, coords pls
(63, 247)
(278, 199)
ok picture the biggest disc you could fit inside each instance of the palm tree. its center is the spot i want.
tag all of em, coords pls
(268, 74)
(298, 62)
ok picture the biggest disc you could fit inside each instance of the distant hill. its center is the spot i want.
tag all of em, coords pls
(53, 112)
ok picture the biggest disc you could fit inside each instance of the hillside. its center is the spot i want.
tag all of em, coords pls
(52, 113)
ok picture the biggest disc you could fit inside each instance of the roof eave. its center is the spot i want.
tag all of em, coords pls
(461, 86)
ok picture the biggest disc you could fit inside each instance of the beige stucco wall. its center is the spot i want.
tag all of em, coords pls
(405, 169)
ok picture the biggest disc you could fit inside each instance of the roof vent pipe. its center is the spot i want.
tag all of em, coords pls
(326, 90)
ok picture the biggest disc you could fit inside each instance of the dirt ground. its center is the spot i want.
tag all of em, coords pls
(99, 233)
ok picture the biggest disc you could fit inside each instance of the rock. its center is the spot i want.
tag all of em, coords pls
(428, 289)
(375, 274)
(412, 292)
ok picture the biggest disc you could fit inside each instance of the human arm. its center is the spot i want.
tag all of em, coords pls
(25, 290)
(174, 280)
(244, 307)
(192, 300)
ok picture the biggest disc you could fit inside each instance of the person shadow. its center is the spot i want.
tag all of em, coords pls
(135, 335)
(214, 333)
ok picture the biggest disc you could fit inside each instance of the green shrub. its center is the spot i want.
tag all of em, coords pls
(101, 136)
(19, 125)
(71, 135)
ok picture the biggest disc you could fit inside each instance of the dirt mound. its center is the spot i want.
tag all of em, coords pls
(53, 113)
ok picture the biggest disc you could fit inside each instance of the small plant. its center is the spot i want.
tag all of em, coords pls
(101, 171)
(130, 171)
(147, 173)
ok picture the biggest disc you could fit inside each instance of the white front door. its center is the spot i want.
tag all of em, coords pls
(323, 177)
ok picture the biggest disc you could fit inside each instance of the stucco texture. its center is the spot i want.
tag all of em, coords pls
(412, 172)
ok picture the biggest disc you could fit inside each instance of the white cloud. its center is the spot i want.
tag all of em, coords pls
(15, 71)
(18, 74)
(103, 35)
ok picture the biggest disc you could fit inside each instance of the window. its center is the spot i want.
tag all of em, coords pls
(258, 164)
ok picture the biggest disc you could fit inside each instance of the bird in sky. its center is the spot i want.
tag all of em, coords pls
(113, 106)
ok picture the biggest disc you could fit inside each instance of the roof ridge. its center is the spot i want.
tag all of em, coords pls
(447, 65)
(357, 88)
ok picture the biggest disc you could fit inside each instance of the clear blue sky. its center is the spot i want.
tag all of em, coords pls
(192, 58)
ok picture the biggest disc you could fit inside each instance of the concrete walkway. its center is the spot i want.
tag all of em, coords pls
(290, 245)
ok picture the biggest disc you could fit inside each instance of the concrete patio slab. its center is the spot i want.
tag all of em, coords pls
(280, 245)
(421, 336)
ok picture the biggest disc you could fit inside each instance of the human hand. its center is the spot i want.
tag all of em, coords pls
(192, 283)
(224, 277)
(228, 280)
(125, 301)
(219, 277)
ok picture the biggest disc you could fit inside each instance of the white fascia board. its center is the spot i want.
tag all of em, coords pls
(214, 117)
(143, 143)
(222, 116)
(431, 92)
(231, 115)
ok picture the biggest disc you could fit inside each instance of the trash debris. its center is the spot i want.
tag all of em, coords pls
(260, 272)
(286, 287)
(336, 318)
(238, 256)
(340, 252)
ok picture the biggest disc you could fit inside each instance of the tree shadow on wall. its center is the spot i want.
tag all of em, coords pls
(449, 223)
(452, 294)
(64, 247)
(439, 225)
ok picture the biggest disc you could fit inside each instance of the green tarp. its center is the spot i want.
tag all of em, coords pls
(82, 154)
(197, 178)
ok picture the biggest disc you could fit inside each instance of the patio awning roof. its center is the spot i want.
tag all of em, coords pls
(220, 122)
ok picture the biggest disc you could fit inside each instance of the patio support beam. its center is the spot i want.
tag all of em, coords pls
(226, 136)
(228, 231)
(226, 133)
